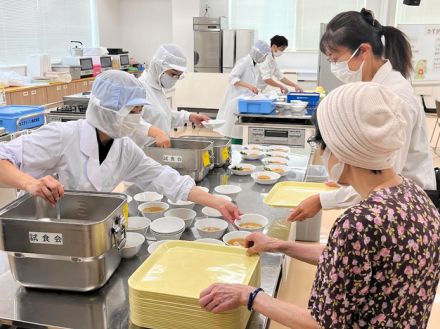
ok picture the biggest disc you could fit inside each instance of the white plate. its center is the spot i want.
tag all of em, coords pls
(277, 154)
(212, 124)
(279, 148)
(275, 160)
(256, 147)
(251, 154)
(242, 172)
(273, 168)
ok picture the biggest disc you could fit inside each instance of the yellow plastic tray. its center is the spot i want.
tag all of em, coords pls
(290, 194)
(183, 269)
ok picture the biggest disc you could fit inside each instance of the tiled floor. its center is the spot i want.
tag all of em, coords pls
(295, 288)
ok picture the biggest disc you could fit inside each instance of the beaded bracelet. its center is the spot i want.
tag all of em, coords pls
(252, 297)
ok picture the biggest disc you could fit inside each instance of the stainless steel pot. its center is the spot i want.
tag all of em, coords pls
(222, 148)
(78, 252)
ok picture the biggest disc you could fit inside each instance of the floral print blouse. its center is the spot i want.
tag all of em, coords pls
(381, 265)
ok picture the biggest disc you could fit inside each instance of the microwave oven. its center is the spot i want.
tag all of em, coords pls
(106, 63)
(124, 60)
(86, 64)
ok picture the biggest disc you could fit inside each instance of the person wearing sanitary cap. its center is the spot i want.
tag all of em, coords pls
(377, 248)
(96, 153)
(243, 80)
(166, 68)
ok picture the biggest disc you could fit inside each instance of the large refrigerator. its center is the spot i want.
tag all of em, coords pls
(217, 48)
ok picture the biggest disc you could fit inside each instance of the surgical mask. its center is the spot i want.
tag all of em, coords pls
(166, 81)
(130, 123)
(277, 53)
(343, 72)
(336, 172)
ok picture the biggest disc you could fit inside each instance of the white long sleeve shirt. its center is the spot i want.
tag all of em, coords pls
(414, 159)
(268, 70)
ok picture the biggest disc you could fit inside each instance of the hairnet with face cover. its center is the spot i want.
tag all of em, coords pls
(259, 51)
(114, 95)
(167, 57)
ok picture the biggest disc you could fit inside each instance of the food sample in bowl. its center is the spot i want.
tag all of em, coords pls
(153, 209)
(263, 177)
(210, 229)
(252, 226)
(238, 242)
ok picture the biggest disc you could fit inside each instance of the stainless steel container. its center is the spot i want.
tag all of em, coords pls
(187, 156)
(78, 252)
(222, 148)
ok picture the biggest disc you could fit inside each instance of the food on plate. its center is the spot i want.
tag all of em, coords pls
(241, 168)
(277, 170)
(239, 242)
(153, 209)
(264, 177)
(210, 229)
(252, 226)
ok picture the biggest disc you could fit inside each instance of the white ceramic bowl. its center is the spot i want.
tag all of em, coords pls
(167, 228)
(234, 235)
(153, 215)
(275, 160)
(223, 196)
(212, 124)
(282, 170)
(279, 148)
(277, 154)
(251, 154)
(138, 225)
(211, 241)
(152, 247)
(255, 147)
(188, 215)
(231, 191)
(235, 169)
(211, 212)
(148, 197)
(132, 245)
(254, 219)
(273, 177)
(204, 188)
(181, 204)
(202, 224)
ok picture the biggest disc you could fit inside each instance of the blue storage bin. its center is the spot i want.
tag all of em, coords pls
(311, 98)
(9, 115)
(256, 106)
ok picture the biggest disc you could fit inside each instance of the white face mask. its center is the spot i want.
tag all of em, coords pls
(336, 171)
(277, 53)
(130, 123)
(166, 81)
(343, 72)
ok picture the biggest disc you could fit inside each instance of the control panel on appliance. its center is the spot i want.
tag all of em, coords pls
(294, 137)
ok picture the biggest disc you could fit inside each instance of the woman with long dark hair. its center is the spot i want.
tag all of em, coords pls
(359, 48)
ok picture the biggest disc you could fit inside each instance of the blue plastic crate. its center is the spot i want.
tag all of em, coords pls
(256, 106)
(311, 98)
(9, 115)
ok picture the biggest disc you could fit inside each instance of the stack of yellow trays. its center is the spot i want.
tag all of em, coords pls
(164, 291)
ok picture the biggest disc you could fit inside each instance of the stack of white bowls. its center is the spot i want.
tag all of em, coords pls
(167, 228)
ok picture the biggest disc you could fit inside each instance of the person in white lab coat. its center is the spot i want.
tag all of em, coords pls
(166, 68)
(269, 70)
(95, 154)
(243, 81)
(353, 44)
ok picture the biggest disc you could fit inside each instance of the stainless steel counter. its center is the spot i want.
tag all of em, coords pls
(108, 306)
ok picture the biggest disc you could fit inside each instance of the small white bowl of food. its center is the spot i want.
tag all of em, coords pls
(147, 197)
(275, 160)
(211, 212)
(188, 215)
(231, 191)
(254, 147)
(265, 177)
(153, 210)
(277, 154)
(210, 241)
(297, 106)
(242, 169)
(133, 244)
(282, 170)
(252, 222)
(138, 224)
(212, 228)
(278, 148)
(236, 238)
(181, 204)
(252, 155)
(213, 123)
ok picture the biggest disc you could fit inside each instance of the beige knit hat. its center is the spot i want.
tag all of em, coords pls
(362, 125)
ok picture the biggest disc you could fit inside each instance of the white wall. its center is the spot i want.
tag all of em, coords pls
(108, 19)
(217, 8)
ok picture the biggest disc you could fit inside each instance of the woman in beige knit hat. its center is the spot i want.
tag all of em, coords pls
(379, 268)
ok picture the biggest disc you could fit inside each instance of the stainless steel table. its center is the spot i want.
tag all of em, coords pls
(108, 306)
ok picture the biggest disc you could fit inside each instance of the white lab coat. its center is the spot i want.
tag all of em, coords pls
(244, 70)
(159, 113)
(414, 159)
(71, 150)
(268, 70)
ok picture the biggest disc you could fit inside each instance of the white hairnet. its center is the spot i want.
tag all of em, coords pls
(259, 50)
(114, 94)
(167, 57)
